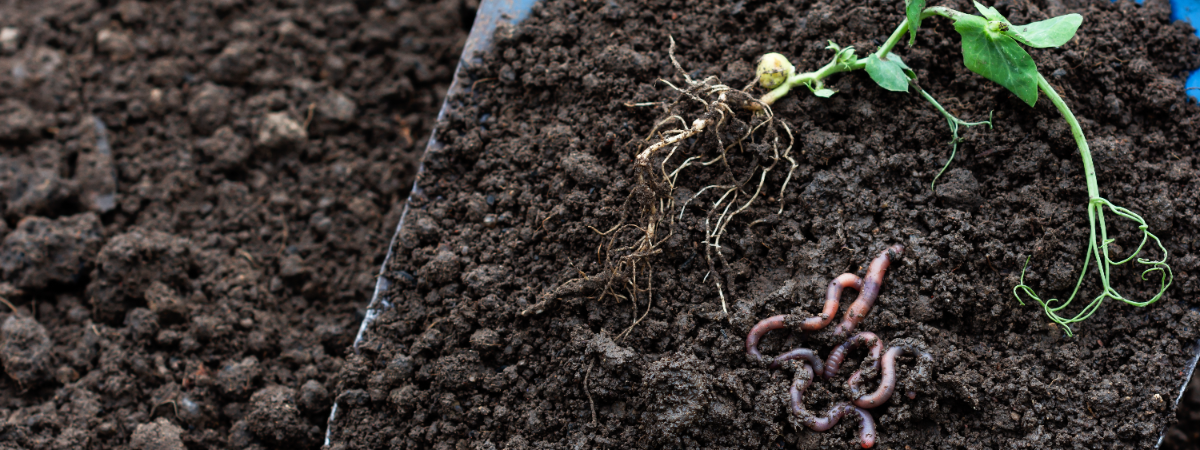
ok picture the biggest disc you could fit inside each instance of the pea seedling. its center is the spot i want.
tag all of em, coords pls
(990, 48)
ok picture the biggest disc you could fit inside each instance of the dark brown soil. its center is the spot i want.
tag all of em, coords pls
(538, 163)
(194, 200)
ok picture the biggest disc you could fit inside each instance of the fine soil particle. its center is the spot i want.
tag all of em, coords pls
(512, 330)
(194, 200)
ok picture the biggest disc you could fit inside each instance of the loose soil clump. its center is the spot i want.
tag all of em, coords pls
(193, 199)
(511, 329)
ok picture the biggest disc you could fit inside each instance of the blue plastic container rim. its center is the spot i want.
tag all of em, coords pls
(1188, 11)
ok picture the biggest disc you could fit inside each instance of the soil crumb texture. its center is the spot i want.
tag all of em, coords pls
(194, 201)
(528, 309)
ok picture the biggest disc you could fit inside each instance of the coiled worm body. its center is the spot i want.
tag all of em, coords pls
(804, 376)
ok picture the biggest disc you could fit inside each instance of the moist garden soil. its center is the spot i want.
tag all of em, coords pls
(538, 166)
(194, 196)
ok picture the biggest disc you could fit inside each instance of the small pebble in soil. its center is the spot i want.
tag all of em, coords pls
(236, 62)
(116, 44)
(18, 122)
(208, 108)
(277, 131)
(95, 171)
(25, 350)
(10, 40)
(337, 106)
(275, 418)
(158, 435)
(41, 252)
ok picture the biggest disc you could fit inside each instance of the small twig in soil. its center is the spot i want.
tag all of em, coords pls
(308, 118)
(589, 393)
(9, 305)
(481, 80)
(643, 104)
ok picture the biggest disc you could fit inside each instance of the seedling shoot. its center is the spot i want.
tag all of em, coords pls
(991, 47)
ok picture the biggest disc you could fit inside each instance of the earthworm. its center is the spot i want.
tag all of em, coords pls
(869, 290)
(760, 329)
(838, 354)
(832, 298)
(866, 432)
(887, 384)
(799, 353)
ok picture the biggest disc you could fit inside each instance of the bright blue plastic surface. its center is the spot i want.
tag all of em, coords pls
(1189, 10)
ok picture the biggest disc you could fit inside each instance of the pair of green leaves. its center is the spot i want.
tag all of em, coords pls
(989, 48)
(842, 57)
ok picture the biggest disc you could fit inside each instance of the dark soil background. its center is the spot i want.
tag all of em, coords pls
(539, 155)
(195, 199)
(196, 196)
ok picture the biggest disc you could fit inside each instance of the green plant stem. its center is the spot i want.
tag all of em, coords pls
(953, 122)
(1097, 242)
(815, 78)
(1089, 169)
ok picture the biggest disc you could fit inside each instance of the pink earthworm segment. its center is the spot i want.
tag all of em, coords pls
(871, 285)
(760, 329)
(865, 338)
(807, 355)
(832, 299)
(887, 384)
(814, 422)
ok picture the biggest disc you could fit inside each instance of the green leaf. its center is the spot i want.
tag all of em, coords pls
(990, 13)
(890, 73)
(1052, 32)
(824, 92)
(997, 57)
(912, 9)
(900, 62)
(846, 56)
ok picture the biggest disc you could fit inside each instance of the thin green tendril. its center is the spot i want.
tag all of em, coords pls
(954, 123)
(1099, 249)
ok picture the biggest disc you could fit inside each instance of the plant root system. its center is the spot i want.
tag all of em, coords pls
(719, 112)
